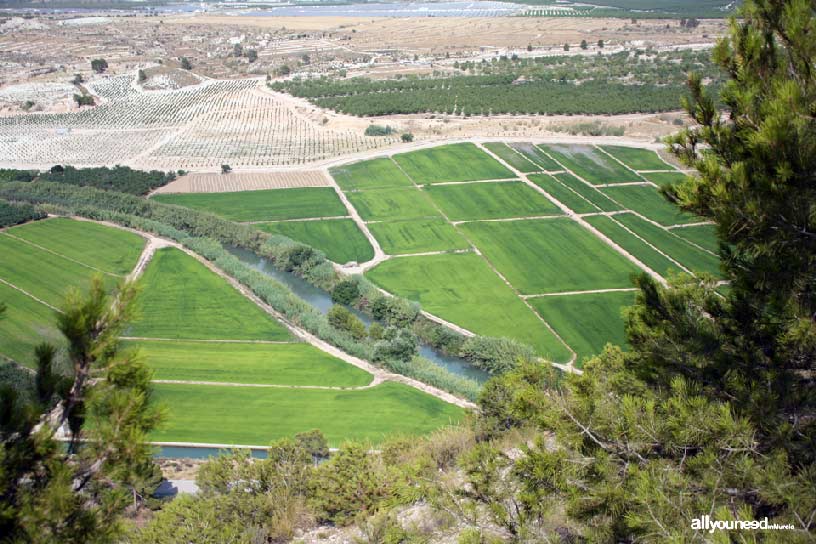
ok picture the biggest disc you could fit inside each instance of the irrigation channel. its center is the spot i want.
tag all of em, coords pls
(321, 300)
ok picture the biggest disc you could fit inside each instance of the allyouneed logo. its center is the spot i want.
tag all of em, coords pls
(705, 523)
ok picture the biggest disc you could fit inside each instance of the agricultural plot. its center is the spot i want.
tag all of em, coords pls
(648, 202)
(550, 256)
(637, 158)
(591, 164)
(244, 415)
(183, 299)
(587, 322)
(389, 204)
(664, 178)
(417, 236)
(340, 239)
(268, 205)
(513, 158)
(454, 162)
(25, 324)
(249, 363)
(588, 192)
(462, 289)
(490, 201)
(570, 198)
(537, 156)
(704, 236)
(374, 174)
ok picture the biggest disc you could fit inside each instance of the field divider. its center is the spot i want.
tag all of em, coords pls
(685, 225)
(507, 219)
(26, 293)
(328, 218)
(614, 158)
(67, 258)
(587, 292)
(501, 180)
(205, 340)
(376, 380)
(626, 184)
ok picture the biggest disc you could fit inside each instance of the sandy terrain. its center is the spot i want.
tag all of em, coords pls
(245, 181)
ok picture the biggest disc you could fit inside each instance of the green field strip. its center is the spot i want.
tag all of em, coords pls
(388, 204)
(264, 205)
(243, 415)
(453, 162)
(417, 236)
(679, 249)
(587, 322)
(591, 164)
(704, 236)
(550, 256)
(340, 239)
(490, 201)
(633, 245)
(637, 158)
(566, 196)
(588, 192)
(664, 178)
(513, 158)
(648, 202)
(537, 156)
(181, 298)
(462, 289)
(279, 364)
(373, 174)
(25, 324)
(112, 250)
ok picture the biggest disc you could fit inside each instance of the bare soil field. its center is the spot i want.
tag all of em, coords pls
(245, 181)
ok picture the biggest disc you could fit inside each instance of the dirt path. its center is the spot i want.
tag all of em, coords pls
(377, 380)
(379, 254)
(588, 292)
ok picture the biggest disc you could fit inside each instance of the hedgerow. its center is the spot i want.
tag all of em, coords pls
(12, 213)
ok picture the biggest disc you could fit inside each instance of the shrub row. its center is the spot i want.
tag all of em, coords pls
(14, 213)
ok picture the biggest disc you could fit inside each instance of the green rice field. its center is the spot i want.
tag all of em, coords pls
(374, 174)
(454, 162)
(588, 192)
(417, 236)
(636, 158)
(388, 204)
(512, 157)
(665, 178)
(264, 205)
(648, 202)
(590, 164)
(340, 239)
(704, 236)
(490, 201)
(25, 324)
(537, 156)
(570, 198)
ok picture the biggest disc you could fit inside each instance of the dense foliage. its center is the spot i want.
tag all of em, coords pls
(119, 178)
(13, 213)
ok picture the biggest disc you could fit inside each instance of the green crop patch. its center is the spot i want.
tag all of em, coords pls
(340, 239)
(110, 249)
(587, 322)
(665, 178)
(564, 194)
(590, 193)
(590, 164)
(388, 204)
(490, 201)
(45, 275)
(246, 415)
(704, 236)
(25, 324)
(550, 255)
(454, 162)
(511, 157)
(373, 174)
(417, 236)
(183, 299)
(634, 245)
(648, 202)
(637, 158)
(536, 155)
(248, 363)
(463, 289)
(265, 205)
(679, 249)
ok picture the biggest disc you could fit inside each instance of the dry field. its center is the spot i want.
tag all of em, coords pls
(245, 181)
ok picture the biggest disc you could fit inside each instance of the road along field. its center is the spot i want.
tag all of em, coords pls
(226, 370)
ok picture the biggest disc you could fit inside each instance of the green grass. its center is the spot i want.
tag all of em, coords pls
(550, 256)
(665, 178)
(586, 322)
(689, 256)
(373, 174)
(183, 299)
(704, 236)
(243, 415)
(464, 290)
(279, 364)
(417, 236)
(590, 164)
(455, 162)
(340, 239)
(43, 274)
(516, 160)
(388, 204)
(633, 245)
(647, 201)
(563, 194)
(490, 201)
(25, 324)
(110, 249)
(266, 205)
(536, 155)
(636, 158)
(589, 193)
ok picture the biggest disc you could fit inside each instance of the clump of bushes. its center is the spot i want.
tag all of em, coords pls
(122, 179)
(13, 213)
(9, 174)
(496, 355)
(378, 130)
